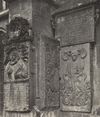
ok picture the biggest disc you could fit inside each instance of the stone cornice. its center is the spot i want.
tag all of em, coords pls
(63, 8)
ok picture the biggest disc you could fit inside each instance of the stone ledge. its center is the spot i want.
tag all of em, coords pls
(70, 6)
(4, 13)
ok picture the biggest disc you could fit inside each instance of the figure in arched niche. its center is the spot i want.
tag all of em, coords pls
(16, 67)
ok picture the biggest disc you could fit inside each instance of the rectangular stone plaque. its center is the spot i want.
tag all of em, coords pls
(19, 76)
(76, 27)
(16, 96)
(75, 73)
(48, 73)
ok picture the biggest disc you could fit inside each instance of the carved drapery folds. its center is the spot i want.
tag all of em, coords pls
(75, 78)
(18, 67)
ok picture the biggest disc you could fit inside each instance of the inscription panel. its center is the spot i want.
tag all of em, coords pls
(49, 73)
(76, 27)
(75, 82)
(16, 96)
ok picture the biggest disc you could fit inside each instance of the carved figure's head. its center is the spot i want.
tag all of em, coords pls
(14, 57)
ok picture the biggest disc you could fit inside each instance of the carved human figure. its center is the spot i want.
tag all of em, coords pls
(75, 85)
(16, 68)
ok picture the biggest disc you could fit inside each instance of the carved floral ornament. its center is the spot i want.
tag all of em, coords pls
(74, 55)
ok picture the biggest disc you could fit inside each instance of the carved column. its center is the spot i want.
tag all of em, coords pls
(19, 63)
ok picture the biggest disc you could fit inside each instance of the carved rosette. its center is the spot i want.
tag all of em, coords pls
(75, 78)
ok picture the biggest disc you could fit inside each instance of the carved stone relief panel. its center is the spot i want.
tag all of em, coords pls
(19, 76)
(16, 62)
(49, 73)
(76, 27)
(75, 75)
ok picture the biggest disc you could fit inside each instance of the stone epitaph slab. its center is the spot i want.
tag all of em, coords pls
(76, 79)
(16, 96)
(18, 76)
(49, 73)
(76, 27)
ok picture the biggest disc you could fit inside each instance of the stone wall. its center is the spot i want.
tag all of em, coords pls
(77, 26)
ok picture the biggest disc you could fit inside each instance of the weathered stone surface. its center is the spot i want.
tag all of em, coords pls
(1, 75)
(16, 96)
(0, 5)
(48, 73)
(41, 14)
(76, 27)
(16, 62)
(75, 76)
(21, 8)
(86, 115)
(18, 76)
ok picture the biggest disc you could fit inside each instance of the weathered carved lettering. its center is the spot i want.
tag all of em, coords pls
(16, 96)
(75, 27)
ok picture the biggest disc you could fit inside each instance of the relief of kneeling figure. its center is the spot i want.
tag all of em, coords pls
(16, 68)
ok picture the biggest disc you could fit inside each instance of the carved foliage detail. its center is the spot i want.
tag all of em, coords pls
(16, 61)
(75, 82)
